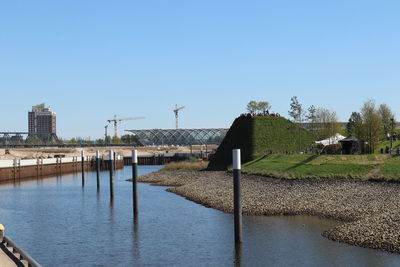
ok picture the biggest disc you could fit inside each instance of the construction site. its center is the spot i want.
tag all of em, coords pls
(42, 133)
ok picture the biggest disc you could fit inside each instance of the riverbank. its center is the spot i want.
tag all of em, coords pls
(370, 210)
(125, 151)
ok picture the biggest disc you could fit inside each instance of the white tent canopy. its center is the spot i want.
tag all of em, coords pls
(333, 140)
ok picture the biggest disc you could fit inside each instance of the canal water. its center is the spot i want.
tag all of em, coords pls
(62, 224)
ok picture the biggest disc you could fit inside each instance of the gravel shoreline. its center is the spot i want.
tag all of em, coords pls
(370, 210)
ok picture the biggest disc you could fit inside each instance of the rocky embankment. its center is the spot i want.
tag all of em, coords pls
(370, 210)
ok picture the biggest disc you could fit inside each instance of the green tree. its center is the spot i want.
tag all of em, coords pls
(46, 138)
(99, 141)
(327, 123)
(297, 113)
(372, 130)
(263, 106)
(354, 126)
(312, 118)
(252, 107)
(130, 139)
(387, 116)
(33, 140)
(116, 140)
(107, 140)
(296, 110)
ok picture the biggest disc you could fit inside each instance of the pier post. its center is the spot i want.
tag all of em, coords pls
(237, 206)
(115, 161)
(37, 168)
(83, 167)
(98, 169)
(58, 167)
(15, 169)
(111, 156)
(134, 183)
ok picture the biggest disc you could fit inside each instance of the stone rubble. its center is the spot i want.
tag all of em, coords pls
(370, 210)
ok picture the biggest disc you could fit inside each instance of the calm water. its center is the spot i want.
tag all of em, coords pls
(62, 224)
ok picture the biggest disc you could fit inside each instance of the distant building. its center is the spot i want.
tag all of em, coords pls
(42, 122)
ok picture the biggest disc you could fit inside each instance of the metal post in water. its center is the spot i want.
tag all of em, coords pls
(237, 206)
(134, 183)
(111, 156)
(98, 169)
(83, 167)
(115, 161)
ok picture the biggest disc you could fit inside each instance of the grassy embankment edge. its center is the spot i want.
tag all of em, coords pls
(375, 167)
(304, 166)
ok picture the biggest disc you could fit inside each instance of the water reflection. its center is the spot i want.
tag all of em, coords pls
(171, 231)
(136, 239)
(238, 255)
(17, 184)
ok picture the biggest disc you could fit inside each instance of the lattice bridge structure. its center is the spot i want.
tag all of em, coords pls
(181, 137)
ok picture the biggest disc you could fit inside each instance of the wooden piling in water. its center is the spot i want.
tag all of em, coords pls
(37, 168)
(83, 167)
(14, 169)
(98, 169)
(111, 156)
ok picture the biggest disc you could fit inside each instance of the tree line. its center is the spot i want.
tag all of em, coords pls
(128, 139)
(261, 107)
(372, 123)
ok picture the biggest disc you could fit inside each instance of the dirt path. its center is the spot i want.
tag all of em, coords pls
(372, 173)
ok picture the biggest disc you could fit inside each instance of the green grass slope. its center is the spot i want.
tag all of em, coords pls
(257, 136)
(368, 167)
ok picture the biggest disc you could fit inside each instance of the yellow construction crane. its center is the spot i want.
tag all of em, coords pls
(176, 111)
(116, 121)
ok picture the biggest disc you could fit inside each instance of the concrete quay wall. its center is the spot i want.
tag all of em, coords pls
(19, 169)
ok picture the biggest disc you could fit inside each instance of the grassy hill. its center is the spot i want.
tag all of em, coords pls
(257, 136)
(377, 167)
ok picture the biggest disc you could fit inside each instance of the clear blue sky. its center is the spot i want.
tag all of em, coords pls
(90, 60)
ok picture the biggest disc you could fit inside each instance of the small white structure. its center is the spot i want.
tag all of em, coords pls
(1, 233)
(333, 140)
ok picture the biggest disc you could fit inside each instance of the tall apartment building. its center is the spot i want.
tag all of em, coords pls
(42, 122)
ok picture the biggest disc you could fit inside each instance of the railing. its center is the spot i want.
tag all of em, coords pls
(23, 255)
